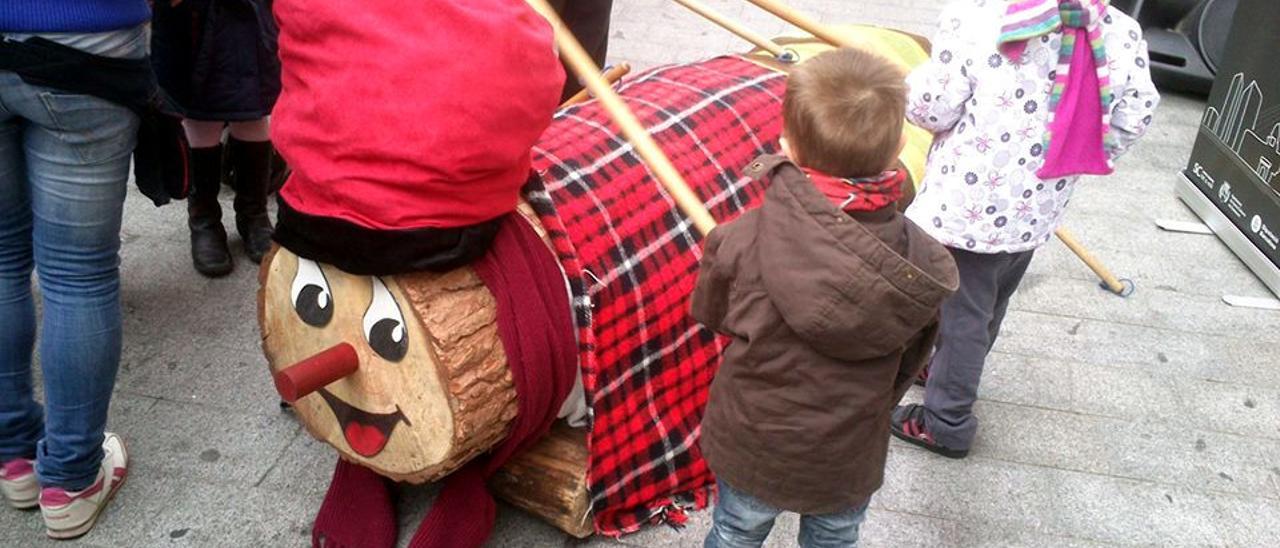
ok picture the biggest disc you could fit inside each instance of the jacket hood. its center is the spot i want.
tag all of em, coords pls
(833, 281)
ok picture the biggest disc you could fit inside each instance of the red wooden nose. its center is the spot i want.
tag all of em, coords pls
(314, 373)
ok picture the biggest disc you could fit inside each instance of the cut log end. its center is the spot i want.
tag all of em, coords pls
(549, 480)
(411, 411)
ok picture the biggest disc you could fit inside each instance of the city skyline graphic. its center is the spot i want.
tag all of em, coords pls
(1235, 123)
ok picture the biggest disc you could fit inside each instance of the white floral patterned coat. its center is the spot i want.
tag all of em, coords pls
(980, 192)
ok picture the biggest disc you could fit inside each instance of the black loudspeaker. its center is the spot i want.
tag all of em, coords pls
(1208, 27)
(1186, 39)
(1164, 14)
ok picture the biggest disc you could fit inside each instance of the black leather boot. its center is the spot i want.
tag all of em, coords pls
(279, 172)
(251, 177)
(209, 252)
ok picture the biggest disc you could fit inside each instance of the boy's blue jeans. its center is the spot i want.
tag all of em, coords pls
(741, 520)
(64, 164)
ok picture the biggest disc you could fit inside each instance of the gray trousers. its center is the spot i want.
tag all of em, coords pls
(970, 322)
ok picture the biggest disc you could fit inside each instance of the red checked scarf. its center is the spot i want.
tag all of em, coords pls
(1078, 132)
(862, 193)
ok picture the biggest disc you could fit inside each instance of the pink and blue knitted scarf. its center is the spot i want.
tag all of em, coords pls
(1078, 132)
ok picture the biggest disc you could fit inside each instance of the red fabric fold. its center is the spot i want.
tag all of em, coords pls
(357, 511)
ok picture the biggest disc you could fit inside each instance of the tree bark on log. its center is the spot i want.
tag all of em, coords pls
(550, 481)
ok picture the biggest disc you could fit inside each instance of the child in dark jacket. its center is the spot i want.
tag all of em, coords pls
(831, 297)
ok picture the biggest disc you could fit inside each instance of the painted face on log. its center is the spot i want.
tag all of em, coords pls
(356, 356)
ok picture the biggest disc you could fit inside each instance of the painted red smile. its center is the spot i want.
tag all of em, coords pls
(367, 433)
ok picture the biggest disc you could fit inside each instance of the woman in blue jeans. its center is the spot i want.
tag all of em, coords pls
(64, 164)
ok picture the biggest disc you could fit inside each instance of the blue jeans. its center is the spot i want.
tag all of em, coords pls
(741, 521)
(64, 164)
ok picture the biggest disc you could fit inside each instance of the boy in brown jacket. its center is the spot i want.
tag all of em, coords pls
(831, 297)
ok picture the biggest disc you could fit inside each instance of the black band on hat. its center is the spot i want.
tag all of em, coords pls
(375, 252)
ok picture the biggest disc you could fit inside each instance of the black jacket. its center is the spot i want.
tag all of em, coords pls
(217, 58)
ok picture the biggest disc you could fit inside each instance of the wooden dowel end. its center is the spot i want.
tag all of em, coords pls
(612, 76)
(1112, 283)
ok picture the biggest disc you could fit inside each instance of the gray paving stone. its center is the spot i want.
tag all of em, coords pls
(888, 528)
(516, 529)
(1142, 449)
(1151, 272)
(1248, 411)
(212, 445)
(893, 529)
(1160, 309)
(644, 30)
(1231, 359)
(1248, 522)
(172, 512)
(35, 537)
(1105, 509)
(206, 372)
(1082, 388)
(1009, 497)
(305, 466)
(1131, 393)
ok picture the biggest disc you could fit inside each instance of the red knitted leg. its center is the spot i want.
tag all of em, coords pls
(462, 516)
(357, 512)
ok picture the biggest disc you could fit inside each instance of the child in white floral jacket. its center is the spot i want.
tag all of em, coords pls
(1023, 97)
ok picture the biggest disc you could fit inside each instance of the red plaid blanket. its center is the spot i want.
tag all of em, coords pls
(632, 260)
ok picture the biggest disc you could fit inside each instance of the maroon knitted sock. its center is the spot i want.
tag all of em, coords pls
(357, 512)
(462, 515)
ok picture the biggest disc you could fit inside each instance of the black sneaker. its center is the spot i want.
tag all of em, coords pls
(908, 425)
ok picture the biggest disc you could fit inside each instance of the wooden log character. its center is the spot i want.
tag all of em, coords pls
(402, 374)
(408, 164)
(405, 374)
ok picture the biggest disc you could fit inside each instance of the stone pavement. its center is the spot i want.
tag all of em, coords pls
(1153, 420)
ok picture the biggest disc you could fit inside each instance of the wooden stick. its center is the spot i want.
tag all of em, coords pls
(803, 22)
(612, 76)
(732, 26)
(1098, 268)
(581, 64)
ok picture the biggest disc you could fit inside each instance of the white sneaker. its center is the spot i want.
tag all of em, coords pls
(18, 483)
(69, 514)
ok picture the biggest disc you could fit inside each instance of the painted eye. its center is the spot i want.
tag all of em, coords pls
(384, 327)
(310, 294)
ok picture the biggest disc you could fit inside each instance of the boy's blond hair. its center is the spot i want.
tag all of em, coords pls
(844, 112)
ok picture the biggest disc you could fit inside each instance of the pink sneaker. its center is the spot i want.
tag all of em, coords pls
(69, 514)
(18, 483)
